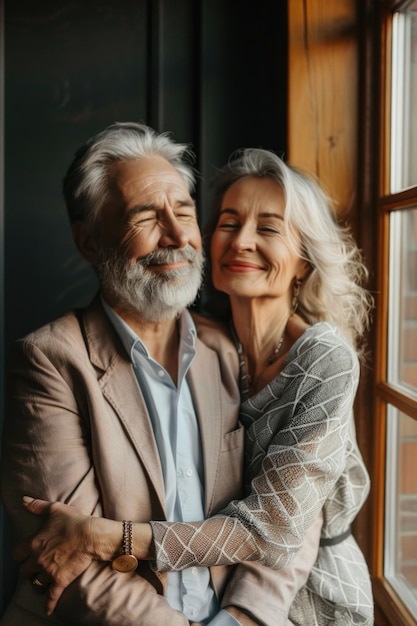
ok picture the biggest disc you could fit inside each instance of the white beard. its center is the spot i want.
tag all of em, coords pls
(154, 295)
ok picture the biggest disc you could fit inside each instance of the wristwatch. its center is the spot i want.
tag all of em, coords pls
(126, 561)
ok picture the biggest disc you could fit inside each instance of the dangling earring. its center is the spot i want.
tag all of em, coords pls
(296, 292)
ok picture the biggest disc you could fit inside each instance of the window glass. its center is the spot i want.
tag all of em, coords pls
(401, 507)
(404, 99)
(402, 354)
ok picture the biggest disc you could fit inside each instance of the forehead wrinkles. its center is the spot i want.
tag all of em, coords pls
(153, 194)
(149, 175)
(158, 190)
(255, 195)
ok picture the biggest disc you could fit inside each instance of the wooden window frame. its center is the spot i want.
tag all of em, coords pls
(390, 609)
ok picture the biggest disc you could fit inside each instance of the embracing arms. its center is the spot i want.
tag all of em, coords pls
(69, 541)
(49, 447)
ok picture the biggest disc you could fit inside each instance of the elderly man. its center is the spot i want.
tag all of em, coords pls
(122, 409)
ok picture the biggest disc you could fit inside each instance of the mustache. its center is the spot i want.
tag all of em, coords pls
(167, 256)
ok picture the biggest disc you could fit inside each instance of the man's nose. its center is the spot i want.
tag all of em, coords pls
(173, 234)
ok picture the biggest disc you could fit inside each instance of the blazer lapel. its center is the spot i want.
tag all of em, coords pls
(206, 395)
(121, 389)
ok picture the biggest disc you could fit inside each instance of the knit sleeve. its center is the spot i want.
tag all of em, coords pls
(296, 453)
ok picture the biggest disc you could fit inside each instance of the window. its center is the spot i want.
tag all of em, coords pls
(397, 322)
(403, 153)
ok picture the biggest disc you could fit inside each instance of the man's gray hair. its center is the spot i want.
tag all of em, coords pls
(85, 185)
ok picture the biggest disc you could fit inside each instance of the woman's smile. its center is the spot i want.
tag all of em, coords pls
(242, 267)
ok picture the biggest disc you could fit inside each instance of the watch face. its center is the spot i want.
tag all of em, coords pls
(125, 563)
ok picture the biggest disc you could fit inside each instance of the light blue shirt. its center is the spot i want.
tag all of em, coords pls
(177, 435)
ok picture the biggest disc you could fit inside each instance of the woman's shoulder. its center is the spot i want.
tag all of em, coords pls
(323, 342)
(323, 333)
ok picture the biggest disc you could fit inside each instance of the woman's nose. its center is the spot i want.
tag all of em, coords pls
(244, 240)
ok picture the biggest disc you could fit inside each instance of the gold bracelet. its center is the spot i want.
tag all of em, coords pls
(126, 561)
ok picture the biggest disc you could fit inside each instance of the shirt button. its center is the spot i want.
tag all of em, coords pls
(161, 373)
(194, 571)
(189, 472)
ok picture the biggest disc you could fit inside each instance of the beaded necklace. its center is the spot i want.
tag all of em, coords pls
(247, 384)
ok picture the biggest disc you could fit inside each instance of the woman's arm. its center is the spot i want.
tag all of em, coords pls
(69, 540)
(299, 443)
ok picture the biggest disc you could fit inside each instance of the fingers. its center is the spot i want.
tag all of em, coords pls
(36, 506)
(41, 583)
(54, 594)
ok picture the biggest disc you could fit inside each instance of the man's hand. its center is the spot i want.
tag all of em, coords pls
(60, 549)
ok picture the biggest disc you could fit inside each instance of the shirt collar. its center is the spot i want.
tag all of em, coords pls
(130, 339)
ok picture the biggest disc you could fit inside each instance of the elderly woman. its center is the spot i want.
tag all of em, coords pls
(291, 281)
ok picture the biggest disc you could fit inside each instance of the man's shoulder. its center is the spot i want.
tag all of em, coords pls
(67, 329)
(64, 325)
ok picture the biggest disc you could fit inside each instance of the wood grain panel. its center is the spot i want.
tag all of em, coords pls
(323, 93)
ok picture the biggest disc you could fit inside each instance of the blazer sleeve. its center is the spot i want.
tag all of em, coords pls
(273, 589)
(47, 454)
(302, 440)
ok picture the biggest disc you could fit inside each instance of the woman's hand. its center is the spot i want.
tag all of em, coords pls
(62, 549)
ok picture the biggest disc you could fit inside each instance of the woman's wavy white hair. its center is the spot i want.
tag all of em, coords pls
(333, 289)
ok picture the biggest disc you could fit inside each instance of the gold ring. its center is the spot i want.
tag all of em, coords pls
(40, 583)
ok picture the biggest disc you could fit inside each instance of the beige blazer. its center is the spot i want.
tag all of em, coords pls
(77, 430)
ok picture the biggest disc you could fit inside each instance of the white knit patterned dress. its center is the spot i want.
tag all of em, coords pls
(301, 458)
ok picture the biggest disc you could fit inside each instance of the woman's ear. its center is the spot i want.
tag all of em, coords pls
(303, 271)
(85, 242)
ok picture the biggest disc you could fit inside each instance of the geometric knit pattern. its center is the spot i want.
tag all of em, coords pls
(301, 457)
